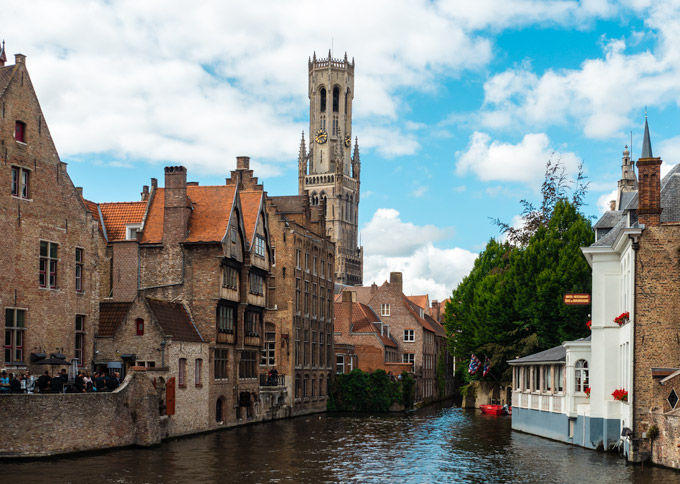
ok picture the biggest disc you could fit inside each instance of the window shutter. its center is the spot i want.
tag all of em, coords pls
(170, 397)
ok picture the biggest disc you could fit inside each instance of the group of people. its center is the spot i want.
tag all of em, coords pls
(83, 383)
(15, 382)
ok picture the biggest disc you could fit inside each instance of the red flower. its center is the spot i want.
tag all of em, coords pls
(622, 318)
(589, 323)
(620, 394)
(587, 390)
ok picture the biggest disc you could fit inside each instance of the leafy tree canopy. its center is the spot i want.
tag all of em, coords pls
(511, 303)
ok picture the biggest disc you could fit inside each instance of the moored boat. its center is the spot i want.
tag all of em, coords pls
(497, 410)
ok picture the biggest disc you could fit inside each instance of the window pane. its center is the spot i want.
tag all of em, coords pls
(43, 249)
(53, 251)
(21, 315)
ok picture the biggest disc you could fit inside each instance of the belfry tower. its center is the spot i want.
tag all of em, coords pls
(329, 172)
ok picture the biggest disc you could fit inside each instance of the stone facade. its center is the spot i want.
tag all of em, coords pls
(49, 284)
(329, 174)
(64, 423)
(299, 334)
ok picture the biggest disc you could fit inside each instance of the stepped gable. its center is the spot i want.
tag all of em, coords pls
(174, 320)
(111, 314)
(211, 209)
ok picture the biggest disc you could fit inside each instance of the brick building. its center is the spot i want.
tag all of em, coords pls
(420, 338)
(374, 346)
(49, 285)
(299, 335)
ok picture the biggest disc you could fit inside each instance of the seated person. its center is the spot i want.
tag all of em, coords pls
(14, 384)
(4, 382)
(56, 385)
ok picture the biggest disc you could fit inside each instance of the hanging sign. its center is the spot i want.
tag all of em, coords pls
(577, 299)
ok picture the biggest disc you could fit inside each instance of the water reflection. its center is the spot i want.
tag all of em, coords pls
(433, 445)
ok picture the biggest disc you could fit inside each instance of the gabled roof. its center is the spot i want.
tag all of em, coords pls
(251, 201)
(364, 320)
(174, 320)
(5, 76)
(118, 215)
(111, 314)
(208, 220)
(422, 301)
(413, 309)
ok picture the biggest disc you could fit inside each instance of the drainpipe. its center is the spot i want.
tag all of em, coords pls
(163, 343)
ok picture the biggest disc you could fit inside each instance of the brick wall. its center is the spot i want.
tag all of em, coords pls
(62, 423)
(657, 315)
(53, 212)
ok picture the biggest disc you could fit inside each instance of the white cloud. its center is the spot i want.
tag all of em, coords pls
(602, 93)
(392, 245)
(419, 191)
(603, 204)
(386, 234)
(523, 162)
(199, 86)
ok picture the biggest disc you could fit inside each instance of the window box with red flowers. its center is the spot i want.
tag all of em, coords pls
(622, 318)
(621, 395)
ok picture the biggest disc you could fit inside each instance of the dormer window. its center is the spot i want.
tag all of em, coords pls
(131, 231)
(20, 131)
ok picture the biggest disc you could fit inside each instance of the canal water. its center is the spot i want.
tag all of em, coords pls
(432, 445)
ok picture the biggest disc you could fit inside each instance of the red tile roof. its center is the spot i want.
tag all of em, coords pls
(421, 301)
(250, 203)
(111, 314)
(118, 215)
(174, 320)
(208, 220)
(364, 320)
(416, 314)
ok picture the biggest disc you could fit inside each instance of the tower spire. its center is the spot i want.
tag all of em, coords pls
(646, 143)
(3, 56)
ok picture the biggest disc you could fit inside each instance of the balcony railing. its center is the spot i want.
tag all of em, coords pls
(267, 380)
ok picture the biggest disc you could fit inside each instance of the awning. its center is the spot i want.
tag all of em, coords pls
(114, 364)
(129, 356)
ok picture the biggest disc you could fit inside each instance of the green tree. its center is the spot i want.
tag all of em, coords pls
(511, 303)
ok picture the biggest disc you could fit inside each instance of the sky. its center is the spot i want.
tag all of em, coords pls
(457, 107)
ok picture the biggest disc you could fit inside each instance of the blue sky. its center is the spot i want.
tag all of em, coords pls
(458, 105)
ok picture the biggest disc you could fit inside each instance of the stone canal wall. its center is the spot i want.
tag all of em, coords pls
(44, 424)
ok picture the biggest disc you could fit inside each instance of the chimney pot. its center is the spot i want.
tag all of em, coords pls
(242, 162)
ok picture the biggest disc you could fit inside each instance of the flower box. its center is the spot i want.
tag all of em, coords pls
(620, 395)
(622, 318)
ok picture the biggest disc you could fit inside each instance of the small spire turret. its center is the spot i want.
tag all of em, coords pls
(3, 55)
(646, 142)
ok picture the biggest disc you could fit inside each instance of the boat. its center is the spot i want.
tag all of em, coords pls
(497, 410)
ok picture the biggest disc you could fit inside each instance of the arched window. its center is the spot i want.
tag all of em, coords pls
(346, 100)
(336, 99)
(581, 377)
(315, 199)
(322, 99)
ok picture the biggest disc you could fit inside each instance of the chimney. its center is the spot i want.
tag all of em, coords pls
(19, 59)
(80, 191)
(435, 309)
(649, 184)
(145, 193)
(154, 183)
(243, 163)
(395, 279)
(612, 205)
(176, 215)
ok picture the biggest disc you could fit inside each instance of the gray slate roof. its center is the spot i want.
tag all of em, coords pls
(558, 353)
(617, 219)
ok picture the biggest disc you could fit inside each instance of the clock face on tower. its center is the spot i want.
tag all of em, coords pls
(321, 136)
(348, 140)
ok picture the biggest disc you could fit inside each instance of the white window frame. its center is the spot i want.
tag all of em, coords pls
(131, 231)
(338, 358)
(409, 335)
(581, 376)
(385, 309)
